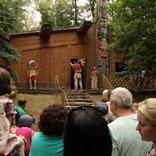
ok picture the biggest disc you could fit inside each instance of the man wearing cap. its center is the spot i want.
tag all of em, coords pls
(126, 140)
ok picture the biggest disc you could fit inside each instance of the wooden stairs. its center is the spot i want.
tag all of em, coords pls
(75, 98)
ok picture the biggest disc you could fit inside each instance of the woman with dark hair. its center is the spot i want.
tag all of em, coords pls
(5, 82)
(8, 141)
(86, 133)
(49, 140)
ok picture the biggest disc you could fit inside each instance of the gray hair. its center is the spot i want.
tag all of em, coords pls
(122, 96)
(148, 109)
(105, 91)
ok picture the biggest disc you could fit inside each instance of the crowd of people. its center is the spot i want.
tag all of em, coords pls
(113, 127)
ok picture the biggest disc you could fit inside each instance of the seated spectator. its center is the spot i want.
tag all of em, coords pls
(20, 109)
(86, 133)
(146, 114)
(106, 98)
(49, 140)
(8, 141)
(106, 95)
(102, 107)
(135, 107)
(12, 96)
(24, 129)
(126, 140)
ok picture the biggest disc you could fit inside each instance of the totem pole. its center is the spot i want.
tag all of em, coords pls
(101, 36)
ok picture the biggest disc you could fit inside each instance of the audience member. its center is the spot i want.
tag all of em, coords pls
(106, 98)
(86, 133)
(20, 109)
(146, 114)
(24, 129)
(134, 107)
(106, 95)
(49, 140)
(12, 96)
(126, 140)
(8, 141)
(102, 107)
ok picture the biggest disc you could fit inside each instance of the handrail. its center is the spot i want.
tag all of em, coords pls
(63, 91)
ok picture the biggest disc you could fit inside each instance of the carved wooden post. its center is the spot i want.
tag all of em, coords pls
(102, 38)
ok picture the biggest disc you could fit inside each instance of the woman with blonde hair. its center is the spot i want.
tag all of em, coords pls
(146, 114)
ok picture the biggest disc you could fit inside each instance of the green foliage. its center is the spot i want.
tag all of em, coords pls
(8, 54)
(134, 32)
(92, 6)
(21, 11)
(63, 13)
(7, 19)
(59, 14)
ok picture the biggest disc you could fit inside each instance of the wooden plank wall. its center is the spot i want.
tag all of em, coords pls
(91, 52)
(52, 57)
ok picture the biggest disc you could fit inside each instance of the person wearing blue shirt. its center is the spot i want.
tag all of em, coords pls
(49, 140)
(126, 140)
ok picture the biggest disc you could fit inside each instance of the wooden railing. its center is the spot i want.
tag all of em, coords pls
(113, 81)
(63, 93)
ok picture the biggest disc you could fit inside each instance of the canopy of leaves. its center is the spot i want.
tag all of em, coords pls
(62, 13)
(134, 32)
(58, 13)
(8, 54)
(92, 6)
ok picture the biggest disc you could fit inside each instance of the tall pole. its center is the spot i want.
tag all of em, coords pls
(101, 37)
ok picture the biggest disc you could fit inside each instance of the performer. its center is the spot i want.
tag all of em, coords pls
(94, 78)
(32, 73)
(77, 75)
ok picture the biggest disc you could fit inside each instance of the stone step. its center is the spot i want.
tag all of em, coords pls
(76, 94)
(78, 103)
(79, 100)
(79, 97)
